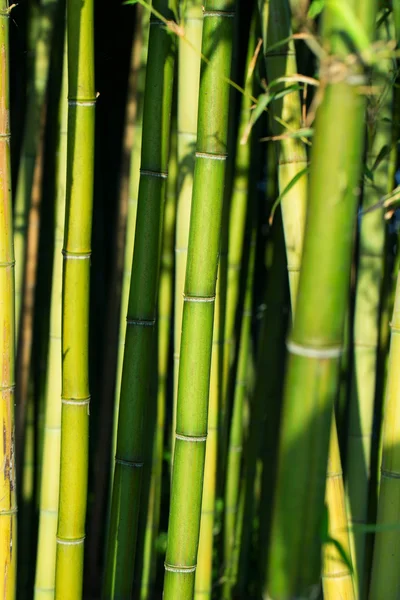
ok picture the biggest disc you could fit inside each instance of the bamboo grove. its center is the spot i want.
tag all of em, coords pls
(200, 300)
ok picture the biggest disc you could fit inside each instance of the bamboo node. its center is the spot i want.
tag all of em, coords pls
(210, 156)
(218, 13)
(311, 352)
(198, 298)
(191, 438)
(148, 173)
(76, 402)
(7, 388)
(75, 542)
(74, 102)
(8, 263)
(141, 322)
(179, 568)
(128, 463)
(71, 256)
(8, 511)
(389, 474)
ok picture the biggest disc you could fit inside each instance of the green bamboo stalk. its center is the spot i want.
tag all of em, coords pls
(152, 509)
(188, 95)
(367, 310)
(75, 396)
(49, 489)
(198, 310)
(136, 371)
(385, 581)
(8, 503)
(316, 340)
(134, 175)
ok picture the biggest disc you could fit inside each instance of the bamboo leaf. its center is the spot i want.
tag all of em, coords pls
(287, 189)
(316, 8)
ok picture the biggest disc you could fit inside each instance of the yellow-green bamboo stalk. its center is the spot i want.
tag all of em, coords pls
(75, 302)
(188, 93)
(337, 579)
(198, 311)
(49, 485)
(385, 581)
(8, 503)
(367, 311)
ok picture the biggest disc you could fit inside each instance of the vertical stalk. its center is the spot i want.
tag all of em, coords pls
(75, 395)
(188, 97)
(49, 488)
(8, 504)
(199, 298)
(385, 581)
(315, 344)
(141, 313)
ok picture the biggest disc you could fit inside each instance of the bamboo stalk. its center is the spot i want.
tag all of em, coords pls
(316, 340)
(198, 310)
(49, 492)
(136, 370)
(8, 504)
(188, 95)
(385, 581)
(367, 312)
(75, 301)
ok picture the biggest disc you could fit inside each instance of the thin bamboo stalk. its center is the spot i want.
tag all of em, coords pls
(8, 504)
(385, 581)
(49, 489)
(337, 579)
(316, 341)
(198, 310)
(367, 312)
(134, 175)
(151, 509)
(75, 396)
(136, 370)
(188, 95)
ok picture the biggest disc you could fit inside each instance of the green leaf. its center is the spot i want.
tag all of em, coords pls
(287, 189)
(316, 8)
(353, 27)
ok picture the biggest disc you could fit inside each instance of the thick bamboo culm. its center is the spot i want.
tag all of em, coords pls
(8, 501)
(141, 312)
(198, 310)
(49, 488)
(188, 97)
(367, 309)
(316, 340)
(75, 395)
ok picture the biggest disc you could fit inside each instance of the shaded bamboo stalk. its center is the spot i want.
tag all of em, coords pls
(199, 298)
(141, 312)
(315, 344)
(188, 97)
(385, 581)
(119, 289)
(151, 509)
(75, 395)
(367, 312)
(8, 500)
(143, 16)
(49, 485)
